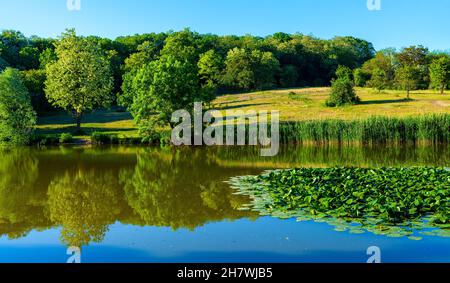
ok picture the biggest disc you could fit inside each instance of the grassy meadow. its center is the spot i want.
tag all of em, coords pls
(309, 104)
(302, 104)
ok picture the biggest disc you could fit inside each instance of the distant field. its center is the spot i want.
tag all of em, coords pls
(293, 104)
(308, 104)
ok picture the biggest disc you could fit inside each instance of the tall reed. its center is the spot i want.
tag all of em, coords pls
(374, 130)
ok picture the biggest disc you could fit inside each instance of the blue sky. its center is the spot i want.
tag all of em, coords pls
(399, 23)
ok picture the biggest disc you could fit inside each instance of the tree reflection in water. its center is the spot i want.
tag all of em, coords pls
(84, 191)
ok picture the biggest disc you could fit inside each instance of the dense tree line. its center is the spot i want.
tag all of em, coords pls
(409, 69)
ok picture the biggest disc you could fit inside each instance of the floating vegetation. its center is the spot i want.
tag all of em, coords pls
(395, 202)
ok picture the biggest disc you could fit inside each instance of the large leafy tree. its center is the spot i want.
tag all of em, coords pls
(408, 78)
(146, 53)
(162, 87)
(80, 80)
(415, 59)
(440, 73)
(17, 116)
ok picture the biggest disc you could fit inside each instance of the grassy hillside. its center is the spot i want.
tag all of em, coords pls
(293, 104)
(308, 104)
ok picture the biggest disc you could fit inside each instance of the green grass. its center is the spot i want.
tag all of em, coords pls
(104, 121)
(309, 104)
(305, 104)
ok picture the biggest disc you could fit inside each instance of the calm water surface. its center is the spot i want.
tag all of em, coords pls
(136, 204)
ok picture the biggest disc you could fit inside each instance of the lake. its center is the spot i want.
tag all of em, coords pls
(151, 204)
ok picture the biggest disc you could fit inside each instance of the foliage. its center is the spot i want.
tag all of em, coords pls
(440, 73)
(408, 78)
(342, 91)
(162, 87)
(379, 80)
(34, 80)
(359, 77)
(65, 138)
(17, 116)
(80, 80)
(389, 201)
(247, 70)
(380, 70)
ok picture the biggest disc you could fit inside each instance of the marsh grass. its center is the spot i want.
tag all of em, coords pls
(374, 130)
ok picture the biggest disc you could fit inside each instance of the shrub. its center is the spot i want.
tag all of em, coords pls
(342, 93)
(65, 138)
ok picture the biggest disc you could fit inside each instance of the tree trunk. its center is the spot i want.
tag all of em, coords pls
(78, 117)
(442, 89)
(407, 93)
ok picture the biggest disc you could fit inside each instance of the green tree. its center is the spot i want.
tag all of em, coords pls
(415, 59)
(440, 73)
(146, 52)
(359, 77)
(265, 67)
(408, 78)
(380, 70)
(239, 69)
(162, 87)
(29, 57)
(342, 91)
(17, 117)
(210, 66)
(343, 72)
(379, 80)
(46, 57)
(80, 80)
(249, 70)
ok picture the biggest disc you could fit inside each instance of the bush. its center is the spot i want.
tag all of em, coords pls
(66, 138)
(342, 93)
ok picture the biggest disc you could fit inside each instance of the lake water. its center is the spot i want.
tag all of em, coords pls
(139, 204)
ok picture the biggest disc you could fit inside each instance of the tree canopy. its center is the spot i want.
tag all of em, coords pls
(80, 79)
(17, 116)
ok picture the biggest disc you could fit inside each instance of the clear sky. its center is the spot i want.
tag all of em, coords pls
(399, 23)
